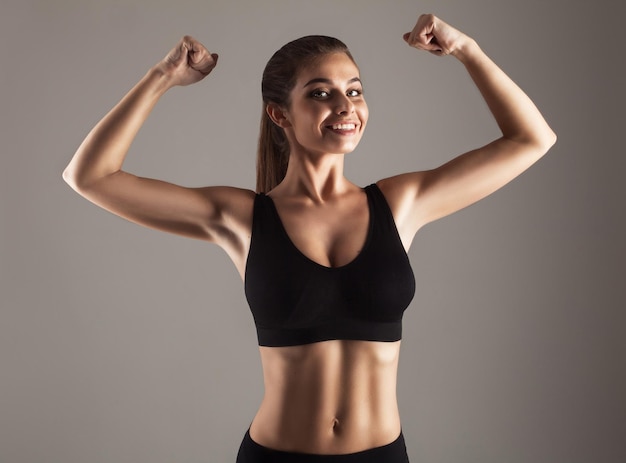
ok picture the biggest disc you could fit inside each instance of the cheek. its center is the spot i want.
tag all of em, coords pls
(364, 115)
(310, 114)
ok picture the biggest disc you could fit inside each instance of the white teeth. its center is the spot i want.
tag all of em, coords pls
(344, 126)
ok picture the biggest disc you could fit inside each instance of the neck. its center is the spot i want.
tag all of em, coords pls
(318, 178)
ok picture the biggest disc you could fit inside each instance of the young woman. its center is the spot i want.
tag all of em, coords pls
(323, 260)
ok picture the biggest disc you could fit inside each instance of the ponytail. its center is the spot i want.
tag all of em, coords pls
(272, 155)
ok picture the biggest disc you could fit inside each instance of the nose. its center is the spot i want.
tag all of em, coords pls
(344, 105)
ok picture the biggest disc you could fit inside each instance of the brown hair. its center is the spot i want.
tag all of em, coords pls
(279, 78)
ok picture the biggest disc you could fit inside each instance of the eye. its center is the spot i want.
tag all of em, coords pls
(355, 92)
(319, 94)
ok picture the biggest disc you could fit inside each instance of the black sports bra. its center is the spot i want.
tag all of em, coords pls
(295, 300)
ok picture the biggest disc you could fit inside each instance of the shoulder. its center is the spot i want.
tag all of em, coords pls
(402, 192)
(230, 212)
(230, 201)
(229, 196)
(230, 221)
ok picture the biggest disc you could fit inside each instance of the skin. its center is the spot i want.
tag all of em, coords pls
(336, 396)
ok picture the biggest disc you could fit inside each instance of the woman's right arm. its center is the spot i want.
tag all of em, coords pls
(216, 214)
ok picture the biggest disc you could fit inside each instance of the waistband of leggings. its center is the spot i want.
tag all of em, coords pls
(392, 452)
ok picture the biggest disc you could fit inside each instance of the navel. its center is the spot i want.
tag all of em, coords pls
(335, 427)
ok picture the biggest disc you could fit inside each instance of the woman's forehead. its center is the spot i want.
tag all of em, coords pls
(335, 67)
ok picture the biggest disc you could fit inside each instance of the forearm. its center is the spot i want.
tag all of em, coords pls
(515, 113)
(103, 151)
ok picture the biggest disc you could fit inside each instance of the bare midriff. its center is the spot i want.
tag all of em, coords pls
(330, 397)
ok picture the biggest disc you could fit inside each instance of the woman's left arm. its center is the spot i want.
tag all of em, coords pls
(426, 196)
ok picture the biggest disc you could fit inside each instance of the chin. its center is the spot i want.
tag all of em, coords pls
(343, 148)
(350, 149)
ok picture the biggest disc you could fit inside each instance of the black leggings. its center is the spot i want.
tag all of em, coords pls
(251, 452)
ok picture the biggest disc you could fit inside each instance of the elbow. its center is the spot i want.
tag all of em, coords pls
(548, 140)
(551, 138)
(542, 141)
(70, 177)
(73, 178)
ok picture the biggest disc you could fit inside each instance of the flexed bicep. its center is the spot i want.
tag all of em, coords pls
(193, 212)
(418, 198)
(95, 170)
(216, 214)
(429, 195)
(471, 177)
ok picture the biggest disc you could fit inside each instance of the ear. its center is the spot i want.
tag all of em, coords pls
(278, 115)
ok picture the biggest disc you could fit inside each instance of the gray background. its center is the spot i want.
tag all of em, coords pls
(123, 344)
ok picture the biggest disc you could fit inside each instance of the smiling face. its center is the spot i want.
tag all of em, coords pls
(327, 112)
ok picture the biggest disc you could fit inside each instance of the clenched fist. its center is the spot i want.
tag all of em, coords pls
(433, 35)
(187, 63)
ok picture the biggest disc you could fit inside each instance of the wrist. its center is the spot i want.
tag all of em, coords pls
(466, 49)
(159, 80)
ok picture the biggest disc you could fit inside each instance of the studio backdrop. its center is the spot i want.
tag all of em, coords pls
(123, 344)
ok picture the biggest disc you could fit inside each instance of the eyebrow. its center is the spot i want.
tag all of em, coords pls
(327, 81)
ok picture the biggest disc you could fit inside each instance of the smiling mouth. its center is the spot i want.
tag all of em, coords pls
(342, 127)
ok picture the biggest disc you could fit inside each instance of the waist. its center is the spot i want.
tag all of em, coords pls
(392, 452)
(347, 436)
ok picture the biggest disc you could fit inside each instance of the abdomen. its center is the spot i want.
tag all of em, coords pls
(329, 397)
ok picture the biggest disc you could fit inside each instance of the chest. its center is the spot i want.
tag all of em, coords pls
(295, 299)
(330, 235)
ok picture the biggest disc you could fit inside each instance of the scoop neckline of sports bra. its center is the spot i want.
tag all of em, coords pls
(366, 244)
